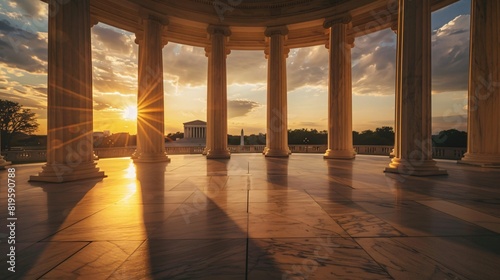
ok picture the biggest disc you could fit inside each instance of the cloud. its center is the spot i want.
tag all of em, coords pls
(22, 49)
(185, 65)
(31, 8)
(246, 67)
(456, 121)
(450, 55)
(374, 58)
(240, 108)
(114, 60)
(308, 67)
(112, 40)
(115, 101)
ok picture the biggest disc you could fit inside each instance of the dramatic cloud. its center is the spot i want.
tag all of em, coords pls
(374, 59)
(308, 67)
(240, 108)
(450, 53)
(114, 61)
(112, 40)
(22, 49)
(185, 65)
(113, 101)
(246, 67)
(31, 8)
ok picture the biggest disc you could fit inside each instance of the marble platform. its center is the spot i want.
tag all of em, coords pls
(253, 217)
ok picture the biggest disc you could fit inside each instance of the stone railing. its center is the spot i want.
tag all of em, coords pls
(40, 155)
(25, 156)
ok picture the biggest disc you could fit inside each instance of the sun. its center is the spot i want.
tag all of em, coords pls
(130, 113)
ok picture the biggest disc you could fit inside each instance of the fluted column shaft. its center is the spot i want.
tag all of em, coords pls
(340, 144)
(208, 140)
(277, 118)
(217, 94)
(69, 112)
(150, 97)
(484, 85)
(413, 152)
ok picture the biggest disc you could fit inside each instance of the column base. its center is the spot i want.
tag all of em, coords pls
(339, 154)
(60, 173)
(218, 154)
(482, 160)
(277, 153)
(150, 157)
(392, 154)
(265, 150)
(205, 151)
(414, 168)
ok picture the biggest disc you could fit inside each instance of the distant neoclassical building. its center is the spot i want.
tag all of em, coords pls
(195, 130)
(273, 27)
(195, 134)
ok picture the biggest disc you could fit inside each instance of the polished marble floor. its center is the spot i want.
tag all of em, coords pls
(255, 218)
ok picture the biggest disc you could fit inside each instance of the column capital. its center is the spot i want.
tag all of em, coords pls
(219, 29)
(139, 36)
(343, 19)
(145, 15)
(276, 30)
(208, 50)
(394, 27)
(350, 41)
(286, 51)
(93, 21)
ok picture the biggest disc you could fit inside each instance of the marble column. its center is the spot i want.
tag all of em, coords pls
(340, 144)
(150, 97)
(394, 28)
(277, 124)
(413, 152)
(217, 102)
(483, 147)
(208, 141)
(70, 106)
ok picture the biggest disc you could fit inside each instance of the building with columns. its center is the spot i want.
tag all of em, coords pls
(273, 27)
(195, 129)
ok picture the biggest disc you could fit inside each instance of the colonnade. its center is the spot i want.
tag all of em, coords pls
(195, 132)
(70, 155)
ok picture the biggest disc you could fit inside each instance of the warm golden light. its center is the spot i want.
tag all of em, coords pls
(130, 113)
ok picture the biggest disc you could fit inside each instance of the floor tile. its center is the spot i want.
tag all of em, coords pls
(272, 220)
(186, 259)
(464, 213)
(314, 258)
(98, 260)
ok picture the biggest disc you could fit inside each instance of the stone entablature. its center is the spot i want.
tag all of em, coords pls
(189, 19)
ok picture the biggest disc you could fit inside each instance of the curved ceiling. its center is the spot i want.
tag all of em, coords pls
(188, 19)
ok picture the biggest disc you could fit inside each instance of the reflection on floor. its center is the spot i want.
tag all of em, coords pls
(255, 218)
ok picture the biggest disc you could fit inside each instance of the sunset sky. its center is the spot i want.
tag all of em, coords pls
(23, 76)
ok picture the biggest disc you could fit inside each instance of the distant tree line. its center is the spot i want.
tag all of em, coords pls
(383, 136)
(18, 124)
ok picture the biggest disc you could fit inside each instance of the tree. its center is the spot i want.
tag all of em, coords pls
(381, 136)
(450, 138)
(14, 119)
